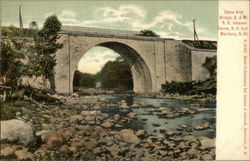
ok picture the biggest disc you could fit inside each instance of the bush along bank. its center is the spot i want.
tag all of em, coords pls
(190, 88)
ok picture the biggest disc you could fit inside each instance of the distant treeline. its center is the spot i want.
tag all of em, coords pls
(203, 44)
(12, 31)
(114, 75)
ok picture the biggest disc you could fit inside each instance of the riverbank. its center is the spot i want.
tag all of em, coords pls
(96, 91)
(87, 128)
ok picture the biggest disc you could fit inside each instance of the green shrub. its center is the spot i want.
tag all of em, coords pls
(9, 109)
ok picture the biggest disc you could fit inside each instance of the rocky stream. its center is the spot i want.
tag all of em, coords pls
(110, 127)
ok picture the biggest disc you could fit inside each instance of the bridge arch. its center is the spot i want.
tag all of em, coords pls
(141, 75)
(142, 79)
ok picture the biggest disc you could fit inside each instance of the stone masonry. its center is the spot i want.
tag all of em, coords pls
(152, 61)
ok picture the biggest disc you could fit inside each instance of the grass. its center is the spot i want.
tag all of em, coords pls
(9, 109)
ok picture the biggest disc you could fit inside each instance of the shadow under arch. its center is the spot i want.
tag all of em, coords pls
(142, 82)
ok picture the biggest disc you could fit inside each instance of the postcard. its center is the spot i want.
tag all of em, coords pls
(124, 80)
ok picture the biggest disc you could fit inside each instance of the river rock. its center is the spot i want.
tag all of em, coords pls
(7, 151)
(86, 113)
(140, 133)
(182, 145)
(107, 124)
(17, 130)
(90, 144)
(124, 105)
(189, 129)
(199, 127)
(163, 152)
(23, 154)
(75, 119)
(207, 143)
(184, 126)
(132, 115)
(44, 134)
(55, 140)
(74, 95)
(156, 125)
(189, 138)
(206, 125)
(128, 136)
(114, 149)
(162, 130)
(135, 105)
(207, 157)
(185, 110)
(192, 152)
(65, 150)
(73, 149)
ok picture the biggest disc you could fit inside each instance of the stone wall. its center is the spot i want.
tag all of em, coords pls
(178, 62)
(198, 58)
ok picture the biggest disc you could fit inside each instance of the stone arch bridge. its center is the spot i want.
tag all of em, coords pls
(152, 61)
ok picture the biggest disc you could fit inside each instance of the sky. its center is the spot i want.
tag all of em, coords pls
(169, 19)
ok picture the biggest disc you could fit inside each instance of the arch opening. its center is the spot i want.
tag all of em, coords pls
(103, 69)
(140, 73)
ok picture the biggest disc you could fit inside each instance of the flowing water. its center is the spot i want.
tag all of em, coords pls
(145, 121)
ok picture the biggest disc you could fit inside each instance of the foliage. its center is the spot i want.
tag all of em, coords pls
(46, 46)
(148, 33)
(84, 80)
(195, 87)
(12, 31)
(33, 25)
(39, 56)
(190, 88)
(11, 67)
(211, 65)
(204, 44)
(9, 109)
(116, 74)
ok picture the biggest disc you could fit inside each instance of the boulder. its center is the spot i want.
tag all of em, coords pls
(128, 136)
(40, 83)
(17, 131)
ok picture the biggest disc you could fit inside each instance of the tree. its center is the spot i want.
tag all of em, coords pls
(84, 79)
(45, 48)
(11, 67)
(148, 33)
(116, 74)
(33, 25)
(211, 65)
